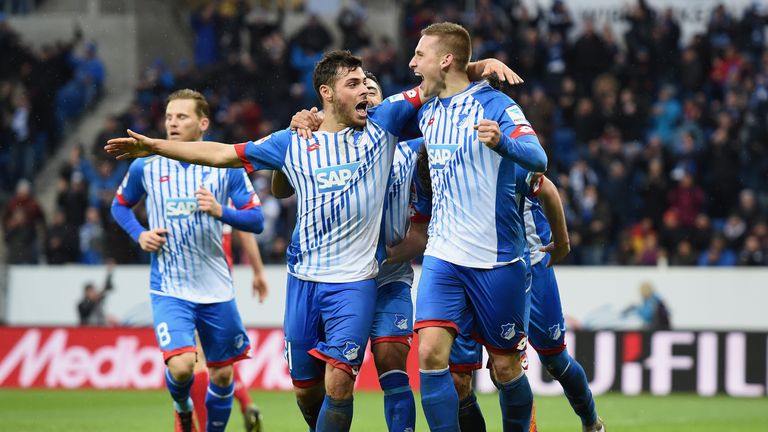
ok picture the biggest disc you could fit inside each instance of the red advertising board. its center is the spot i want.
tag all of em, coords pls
(62, 357)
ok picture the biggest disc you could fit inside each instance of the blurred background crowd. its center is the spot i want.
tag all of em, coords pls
(658, 145)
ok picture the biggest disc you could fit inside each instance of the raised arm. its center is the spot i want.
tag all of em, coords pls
(197, 152)
(482, 69)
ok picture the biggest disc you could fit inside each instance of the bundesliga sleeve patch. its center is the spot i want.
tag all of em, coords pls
(522, 130)
(516, 115)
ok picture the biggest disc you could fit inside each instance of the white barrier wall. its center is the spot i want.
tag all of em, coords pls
(698, 298)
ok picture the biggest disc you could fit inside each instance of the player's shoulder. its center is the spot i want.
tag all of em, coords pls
(139, 164)
(489, 97)
(280, 136)
(413, 144)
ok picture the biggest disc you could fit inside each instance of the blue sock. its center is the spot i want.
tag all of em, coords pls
(179, 392)
(470, 417)
(335, 415)
(571, 376)
(439, 400)
(516, 399)
(218, 402)
(399, 406)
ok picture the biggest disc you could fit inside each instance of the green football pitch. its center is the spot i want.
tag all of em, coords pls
(92, 410)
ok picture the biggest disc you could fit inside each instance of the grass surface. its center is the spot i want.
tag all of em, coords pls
(91, 410)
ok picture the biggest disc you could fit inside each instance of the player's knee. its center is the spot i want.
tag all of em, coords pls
(309, 396)
(339, 384)
(390, 356)
(506, 366)
(556, 364)
(221, 376)
(182, 366)
(434, 350)
(463, 383)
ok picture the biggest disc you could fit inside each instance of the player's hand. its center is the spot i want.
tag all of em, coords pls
(488, 133)
(505, 74)
(207, 203)
(556, 251)
(259, 286)
(305, 122)
(152, 240)
(134, 146)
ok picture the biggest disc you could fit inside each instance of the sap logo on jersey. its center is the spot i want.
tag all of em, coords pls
(440, 154)
(334, 178)
(180, 208)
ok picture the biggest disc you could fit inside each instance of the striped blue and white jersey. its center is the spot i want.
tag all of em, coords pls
(340, 181)
(405, 200)
(477, 191)
(191, 265)
(537, 230)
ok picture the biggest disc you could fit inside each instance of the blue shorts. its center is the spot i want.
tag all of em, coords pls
(490, 304)
(546, 329)
(219, 326)
(466, 354)
(393, 318)
(326, 321)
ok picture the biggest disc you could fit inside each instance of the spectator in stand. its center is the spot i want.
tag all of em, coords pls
(717, 255)
(62, 243)
(92, 238)
(686, 199)
(24, 226)
(91, 307)
(752, 254)
(684, 255)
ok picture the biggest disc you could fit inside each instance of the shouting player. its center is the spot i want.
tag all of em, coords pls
(190, 283)
(475, 278)
(338, 176)
(404, 209)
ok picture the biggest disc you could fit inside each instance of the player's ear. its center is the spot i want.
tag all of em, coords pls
(447, 61)
(326, 92)
(205, 123)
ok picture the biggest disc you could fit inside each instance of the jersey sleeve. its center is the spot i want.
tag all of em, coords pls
(518, 139)
(241, 190)
(422, 202)
(131, 190)
(266, 153)
(527, 182)
(396, 113)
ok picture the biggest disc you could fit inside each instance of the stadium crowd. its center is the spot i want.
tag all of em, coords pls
(659, 147)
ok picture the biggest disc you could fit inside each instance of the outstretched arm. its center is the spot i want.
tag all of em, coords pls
(197, 152)
(560, 246)
(482, 69)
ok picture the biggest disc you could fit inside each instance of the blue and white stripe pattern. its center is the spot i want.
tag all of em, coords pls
(340, 181)
(398, 209)
(477, 194)
(191, 265)
(537, 230)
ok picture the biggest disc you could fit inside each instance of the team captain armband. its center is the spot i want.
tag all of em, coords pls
(521, 130)
(411, 96)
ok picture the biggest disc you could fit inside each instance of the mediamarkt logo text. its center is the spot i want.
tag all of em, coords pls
(707, 363)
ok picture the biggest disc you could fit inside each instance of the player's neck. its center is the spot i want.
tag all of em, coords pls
(455, 83)
(330, 122)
